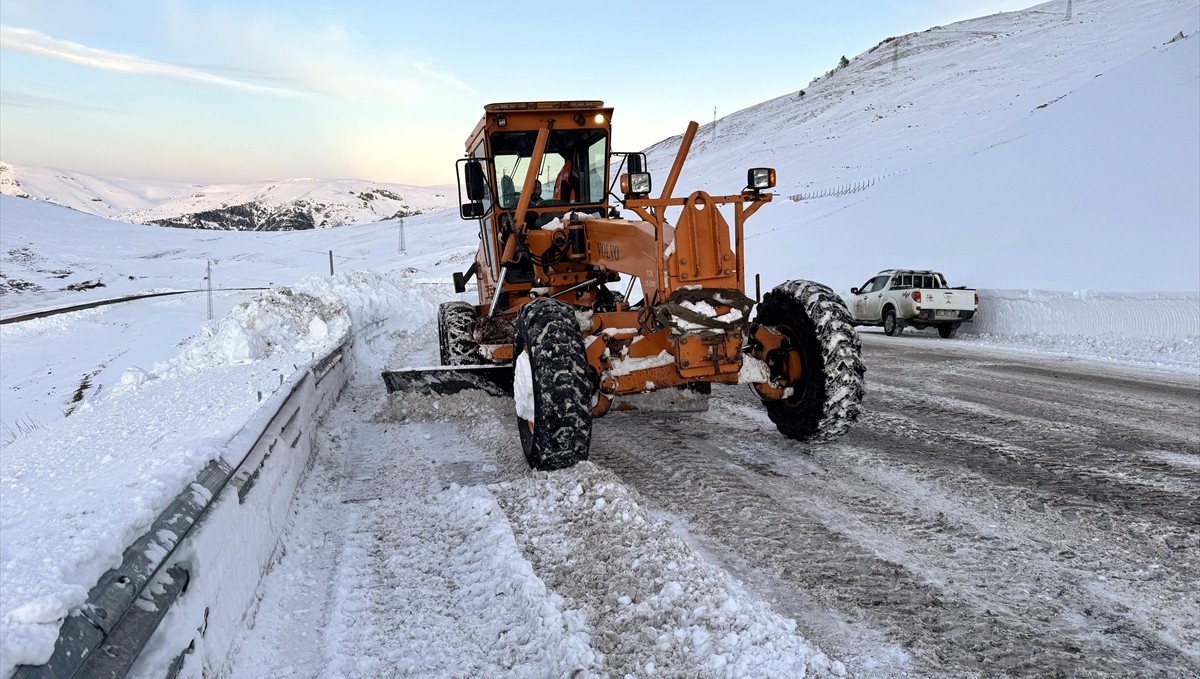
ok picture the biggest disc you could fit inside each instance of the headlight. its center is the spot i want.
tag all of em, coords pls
(635, 183)
(759, 178)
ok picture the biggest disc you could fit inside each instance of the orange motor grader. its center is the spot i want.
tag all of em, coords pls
(548, 328)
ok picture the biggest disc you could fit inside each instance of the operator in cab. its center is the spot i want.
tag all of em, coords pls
(565, 185)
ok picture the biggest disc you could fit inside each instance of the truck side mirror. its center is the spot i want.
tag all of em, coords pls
(475, 183)
(637, 163)
(471, 210)
(853, 291)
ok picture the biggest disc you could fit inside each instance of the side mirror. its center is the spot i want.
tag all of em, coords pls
(637, 163)
(461, 278)
(853, 291)
(475, 183)
(471, 210)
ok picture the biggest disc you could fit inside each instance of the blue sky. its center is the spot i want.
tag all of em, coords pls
(223, 91)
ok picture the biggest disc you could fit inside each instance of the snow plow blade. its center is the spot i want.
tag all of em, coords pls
(496, 380)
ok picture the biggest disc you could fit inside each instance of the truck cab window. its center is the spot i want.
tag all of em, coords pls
(572, 169)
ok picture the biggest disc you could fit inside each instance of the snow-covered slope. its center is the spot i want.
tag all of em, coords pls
(1018, 150)
(51, 256)
(263, 206)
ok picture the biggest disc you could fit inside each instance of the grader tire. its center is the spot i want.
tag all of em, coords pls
(552, 386)
(828, 397)
(454, 334)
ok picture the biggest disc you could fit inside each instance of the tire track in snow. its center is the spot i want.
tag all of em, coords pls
(653, 605)
(992, 528)
(402, 571)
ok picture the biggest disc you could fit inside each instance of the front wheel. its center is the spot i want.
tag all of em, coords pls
(820, 356)
(454, 334)
(551, 386)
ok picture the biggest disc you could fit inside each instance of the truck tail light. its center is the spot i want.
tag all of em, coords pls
(916, 295)
(977, 299)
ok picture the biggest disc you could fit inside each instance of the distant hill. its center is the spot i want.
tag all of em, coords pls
(284, 205)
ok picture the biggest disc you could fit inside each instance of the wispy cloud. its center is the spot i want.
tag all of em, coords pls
(450, 79)
(317, 54)
(37, 101)
(39, 44)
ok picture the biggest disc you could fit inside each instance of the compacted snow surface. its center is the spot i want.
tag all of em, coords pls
(481, 568)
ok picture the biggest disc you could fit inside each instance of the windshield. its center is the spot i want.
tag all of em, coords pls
(572, 170)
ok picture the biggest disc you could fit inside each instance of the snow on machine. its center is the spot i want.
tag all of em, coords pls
(548, 328)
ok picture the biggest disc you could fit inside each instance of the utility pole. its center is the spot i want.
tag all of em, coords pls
(208, 280)
(895, 54)
(403, 250)
(714, 132)
(331, 262)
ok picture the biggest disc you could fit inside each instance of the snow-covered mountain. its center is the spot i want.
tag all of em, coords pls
(1023, 138)
(285, 205)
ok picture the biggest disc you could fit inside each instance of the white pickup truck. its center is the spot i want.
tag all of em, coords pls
(895, 298)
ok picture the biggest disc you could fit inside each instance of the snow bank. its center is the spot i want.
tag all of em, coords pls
(76, 492)
(1141, 328)
(1141, 315)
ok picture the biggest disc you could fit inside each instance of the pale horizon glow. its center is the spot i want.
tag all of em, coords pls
(236, 92)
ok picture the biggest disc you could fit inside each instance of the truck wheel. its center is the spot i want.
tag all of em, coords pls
(827, 398)
(551, 386)
(891, 326)
(454, 334)
(948, 331)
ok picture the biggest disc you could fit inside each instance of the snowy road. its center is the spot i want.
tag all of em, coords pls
(992, 513)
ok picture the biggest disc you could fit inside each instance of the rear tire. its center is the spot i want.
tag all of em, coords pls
(828, 396)
(551, 386)
(454, 334)
(891, 326)
(948, 331)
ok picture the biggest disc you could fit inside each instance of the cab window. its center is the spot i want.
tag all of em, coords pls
(572, 171)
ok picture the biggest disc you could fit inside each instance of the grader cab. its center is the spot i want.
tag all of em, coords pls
(552, 326)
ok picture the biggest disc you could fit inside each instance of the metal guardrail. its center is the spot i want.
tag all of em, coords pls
(109, 631)
(30, 315)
